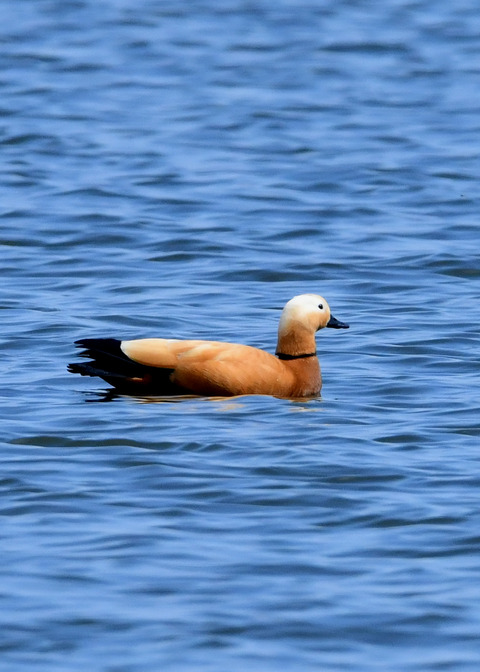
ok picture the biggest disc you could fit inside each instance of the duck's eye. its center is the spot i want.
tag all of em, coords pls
(320, 305)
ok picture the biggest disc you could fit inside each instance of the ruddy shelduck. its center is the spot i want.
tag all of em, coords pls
(166, 367)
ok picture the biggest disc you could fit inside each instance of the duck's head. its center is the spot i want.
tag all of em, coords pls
(308, 311)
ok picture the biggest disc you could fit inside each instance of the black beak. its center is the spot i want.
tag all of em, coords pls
(336, 324)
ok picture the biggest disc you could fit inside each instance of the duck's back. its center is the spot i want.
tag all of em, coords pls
(214, 368)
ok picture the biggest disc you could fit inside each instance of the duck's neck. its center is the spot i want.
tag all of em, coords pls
(296, 342)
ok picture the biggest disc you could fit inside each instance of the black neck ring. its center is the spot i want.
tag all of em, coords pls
(287, 358)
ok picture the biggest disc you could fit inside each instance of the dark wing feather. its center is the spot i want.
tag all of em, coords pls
(110, 363)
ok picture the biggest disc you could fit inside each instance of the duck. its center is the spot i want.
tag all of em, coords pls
(171, 367)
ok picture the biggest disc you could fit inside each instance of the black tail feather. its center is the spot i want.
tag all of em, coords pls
(107, 354)
(110, 363)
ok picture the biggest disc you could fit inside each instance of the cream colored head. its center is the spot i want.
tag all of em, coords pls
(307, 311)
(301, 318)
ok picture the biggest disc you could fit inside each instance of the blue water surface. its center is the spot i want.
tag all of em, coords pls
(183, 169)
